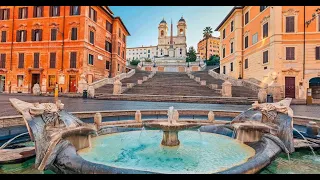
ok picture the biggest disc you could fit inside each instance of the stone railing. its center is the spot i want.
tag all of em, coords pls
(235, 82)
(105, 81)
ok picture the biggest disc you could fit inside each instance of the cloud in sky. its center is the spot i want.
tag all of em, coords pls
(142, 21)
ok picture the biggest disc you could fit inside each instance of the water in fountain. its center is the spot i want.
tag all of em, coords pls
(8, 142)
(142, 130)
(305, 141)
(234, 133)
(199, 132)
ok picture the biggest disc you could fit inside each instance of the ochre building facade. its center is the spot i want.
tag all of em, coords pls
(57, 44)
(213, 44)
(273, 44)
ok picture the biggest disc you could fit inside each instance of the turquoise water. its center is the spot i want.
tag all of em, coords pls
(207, 153)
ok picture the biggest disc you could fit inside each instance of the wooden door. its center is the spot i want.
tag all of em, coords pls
(290, 87)
(72, 83)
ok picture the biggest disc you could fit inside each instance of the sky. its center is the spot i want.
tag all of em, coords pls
(142, 21)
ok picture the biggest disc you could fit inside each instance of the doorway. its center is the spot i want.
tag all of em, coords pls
(2, 83)
(72, 83)
(314, 84)
(290, 87)
(35, 79)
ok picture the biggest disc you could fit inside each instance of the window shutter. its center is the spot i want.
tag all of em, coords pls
(292, 53)
(3, 61)
(95, 16)
(90, 9)
(21, 60)
(26, 12)
(71, 10)
(18, 36)
(32, 35)
(36, 60)
(25, 36)
(58, 11)
(41, 10)
(3, 36)
(40, 34)
(34, 11)
(20, 13)
(8, 13)
(51, 11)
(79, 8)
(1, 14)
(318, 53)
(52, 60)
(292, 24)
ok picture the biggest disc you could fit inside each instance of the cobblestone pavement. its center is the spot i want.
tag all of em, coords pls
(79, 104)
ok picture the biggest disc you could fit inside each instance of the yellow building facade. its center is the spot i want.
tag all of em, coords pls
(273, 44)
(212, 48)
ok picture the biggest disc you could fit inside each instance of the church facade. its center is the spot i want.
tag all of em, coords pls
(171, 46)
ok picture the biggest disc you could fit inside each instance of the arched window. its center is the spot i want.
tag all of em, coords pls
(180, 51)
(181, 31)
(160, 51)
(162, 33)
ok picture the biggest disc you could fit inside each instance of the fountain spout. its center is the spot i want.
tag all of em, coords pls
(170, 115)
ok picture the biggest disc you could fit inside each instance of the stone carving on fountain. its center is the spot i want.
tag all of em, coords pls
(53, 130)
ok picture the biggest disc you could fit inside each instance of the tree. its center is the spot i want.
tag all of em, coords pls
(207, 33)
(191, 55)
(213, 60)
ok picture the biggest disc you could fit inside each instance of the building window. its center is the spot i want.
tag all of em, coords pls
(223, 52)
(54, 11)
(36, 35)
(3, 36)
(231, 47)
(107, 65)
(289, 53)
(318, 53)
(4, 14)
(21, 60)
(160, 51)
(21, 36)
(74, 10)
(108, 47)
(265, 30)
(148, 50)
(124, 38)
(52, 81)
(148, 55)
(91, 37)
(109, 26)
(36, 60)
(52, 60)
(37, 11)
(180, 51)
(90, 60)
(246, 65)
(3, 61)
(231, 66)
(246, 42)
(23, 13)
(119, 33)
(93, 14)
(255, 38)
(223, 34)
(231, 26)
(265, 57)
(224, 69)
(263, 8)
(19, 80)
(246, 18)
(318, 23)
(290, 24)
(54, 34)
(119, 45)
(74, 33)
(73, 60)
(118, 67)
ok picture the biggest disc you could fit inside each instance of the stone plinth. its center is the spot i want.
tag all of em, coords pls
(139, 81)
(145, 78)
(197, 79)
(191, 76)
(203, 83)
(275, 90)
(91, 92)
(36, 89)
(262, 95)
(137, 116)
(226, 89)
(117, 87)
(170, 138)
(213, 86)
(97, 120)
(211, 116)
(82, 84)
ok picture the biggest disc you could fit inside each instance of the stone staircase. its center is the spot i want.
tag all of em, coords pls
(108, 88)
(237, 91)
(172, 83)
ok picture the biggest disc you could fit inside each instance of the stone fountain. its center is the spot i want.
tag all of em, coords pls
(171, 128)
